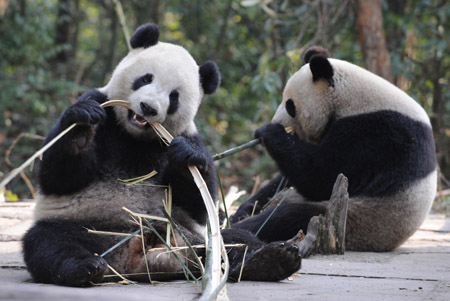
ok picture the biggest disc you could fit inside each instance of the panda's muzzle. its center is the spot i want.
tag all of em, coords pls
(139, 120)
(148, 110)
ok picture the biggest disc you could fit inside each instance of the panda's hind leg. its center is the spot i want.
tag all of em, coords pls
(283, 222)
(263, 262)
(63, 253)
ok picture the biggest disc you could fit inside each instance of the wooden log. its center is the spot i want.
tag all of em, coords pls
(326, 234)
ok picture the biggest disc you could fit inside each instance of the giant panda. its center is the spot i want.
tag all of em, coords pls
(347, 120)
(79, 187)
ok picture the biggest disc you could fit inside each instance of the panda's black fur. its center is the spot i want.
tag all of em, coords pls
(79, 188)
(386, 150)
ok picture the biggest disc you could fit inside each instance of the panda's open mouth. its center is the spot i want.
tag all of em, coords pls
(138, 120)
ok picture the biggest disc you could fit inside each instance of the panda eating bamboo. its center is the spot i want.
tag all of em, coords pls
(351, 121)
(79, 188)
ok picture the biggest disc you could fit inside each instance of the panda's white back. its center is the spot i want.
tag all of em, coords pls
(359, 91)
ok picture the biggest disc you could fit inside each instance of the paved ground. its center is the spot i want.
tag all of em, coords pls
(419, 270)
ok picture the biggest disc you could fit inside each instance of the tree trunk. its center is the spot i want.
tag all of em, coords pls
(76, 16)
(3, 7)
(62, 36)
(112, 49)
(372, 39)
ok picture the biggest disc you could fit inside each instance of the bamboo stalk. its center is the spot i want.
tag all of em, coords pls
(30, 160)
(236, 149)
(143, 250)
(185, 268)
(215, 241)
(141, 215)
(192, 247)
(121, 15)
(37, 154)
(136, 180)
(120, 243)
(274, 209)
(228, 224)
(109, 233)
(241, 147)
(186, 241)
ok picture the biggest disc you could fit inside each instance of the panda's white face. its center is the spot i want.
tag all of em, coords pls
(305, 106)
(162, 83)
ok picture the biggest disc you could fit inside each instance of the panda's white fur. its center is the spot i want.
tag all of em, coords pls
(394, 219)
(356, 91)
(173, 69)
(392, 196)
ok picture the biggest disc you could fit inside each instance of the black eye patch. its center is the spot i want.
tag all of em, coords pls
(173, 98)
(290, 108)
(145, 79)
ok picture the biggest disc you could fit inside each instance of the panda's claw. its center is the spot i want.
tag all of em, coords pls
(184, 153)
(87, 112)
(82, 272)
(273, 262)
(269, 130)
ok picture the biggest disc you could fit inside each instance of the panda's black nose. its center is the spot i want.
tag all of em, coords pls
(148, 110)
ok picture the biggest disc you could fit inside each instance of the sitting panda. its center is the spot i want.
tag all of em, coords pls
(347, 120)
(78, 177)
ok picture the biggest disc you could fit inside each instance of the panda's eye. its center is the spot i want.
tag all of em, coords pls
(173, 98)
(145, 79)
(290, 108)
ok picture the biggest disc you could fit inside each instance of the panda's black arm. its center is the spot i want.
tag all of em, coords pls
(187, 151)
(301, 162)
(263, 195)
(70, 164)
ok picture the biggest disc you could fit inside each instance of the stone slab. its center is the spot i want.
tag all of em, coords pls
(418, 270)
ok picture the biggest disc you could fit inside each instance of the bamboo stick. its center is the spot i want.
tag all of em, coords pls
(121, 15)
(30, 160)
(37, 154)
(236, 149)
(241, 147)
(215, 268)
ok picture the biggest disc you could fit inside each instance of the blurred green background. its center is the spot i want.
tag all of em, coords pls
(53, 50)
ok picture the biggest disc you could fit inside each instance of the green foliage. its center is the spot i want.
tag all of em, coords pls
(256, 43)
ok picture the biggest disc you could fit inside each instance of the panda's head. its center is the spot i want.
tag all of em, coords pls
(306, 96)
(326, 89)
(162, 82)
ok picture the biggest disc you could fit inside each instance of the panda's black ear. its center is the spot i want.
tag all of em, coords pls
(315, 50)
(145, 36)
(209, 77)
(320, 66)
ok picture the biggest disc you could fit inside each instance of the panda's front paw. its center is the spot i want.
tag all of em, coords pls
(270, 132)
(183, 153)
(85, 112)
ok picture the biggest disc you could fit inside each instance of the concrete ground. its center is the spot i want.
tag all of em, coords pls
(418, 270)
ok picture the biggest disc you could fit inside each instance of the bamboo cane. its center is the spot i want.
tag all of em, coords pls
(37, 154)
(215, 269)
